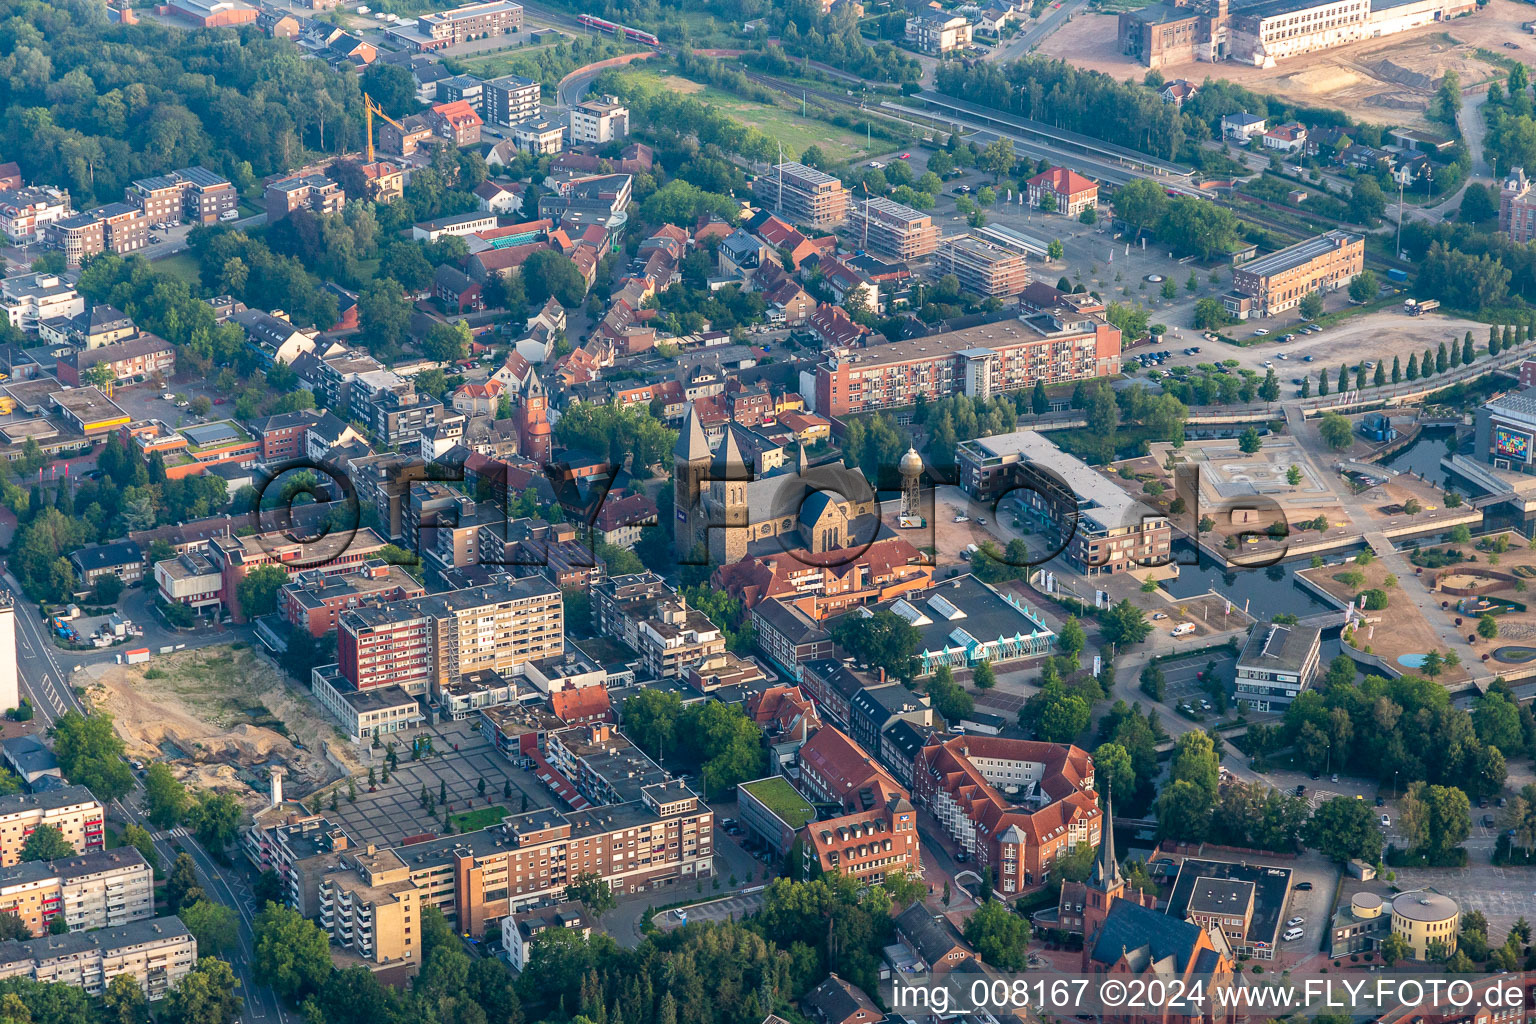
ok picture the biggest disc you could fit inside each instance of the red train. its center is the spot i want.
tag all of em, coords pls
(632, 34)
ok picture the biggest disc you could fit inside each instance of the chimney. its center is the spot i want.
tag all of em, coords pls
(277, 772)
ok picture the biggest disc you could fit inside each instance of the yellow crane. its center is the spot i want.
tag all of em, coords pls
(369, 109)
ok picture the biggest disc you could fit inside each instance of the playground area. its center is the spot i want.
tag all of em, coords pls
(1492, 578)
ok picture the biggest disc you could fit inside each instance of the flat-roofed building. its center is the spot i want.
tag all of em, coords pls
(803, 195)
(1277, 663)
(472, 21)
(510, 100)
(72, 810)
(1110, 531)
(313, 192)
(157, 953)
(1280, 281)
(982, 267)
(938, 32)
(99, 889)
(891, 229)
(1051, 346)
(598, 122)
(193, 194)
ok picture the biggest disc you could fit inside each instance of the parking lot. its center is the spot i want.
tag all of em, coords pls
(1183, 683)
(732, 908)
(1503, 895)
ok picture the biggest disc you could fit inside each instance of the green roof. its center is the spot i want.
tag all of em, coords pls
(781, 798)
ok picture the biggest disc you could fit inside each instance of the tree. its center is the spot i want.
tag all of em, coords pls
(1039, 404)
(292, 954)
(1335, 431)
(1345, 829)
(447, 343)
(1380, 377)
(1496, 718)
(1071, 638)
(1468, 354)
(213, 925)
(1000, 937)
(1125, 624)
(591, 891)
(1270, 389)
(257, 591)
(1487, 625)
(1364, 286)
(1210, 315)
(982, 676)
(1442, 362)
(182, 883)
(208, 995)
(123, 1002)
(1114, 762)
(1056, 714)
(1412, 373)
(1249, 441)
(165, 798)
(384, 313)
(1293, 475)
(1394, 948)
(215, 820)
(14, 928)
(997, 159)
(548, 273)
(948, 697)
(1311, 306)
(1141, 204)
(91, 754)
(884, 640)
(46, 843)
(1055, 250)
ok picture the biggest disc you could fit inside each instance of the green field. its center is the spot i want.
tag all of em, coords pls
(773, 120)
(782, 799)
(182, 265)
(493, 65)
(483, 817)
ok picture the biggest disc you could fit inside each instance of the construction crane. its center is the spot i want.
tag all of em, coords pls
(369, 109)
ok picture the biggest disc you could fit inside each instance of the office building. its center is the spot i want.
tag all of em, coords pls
(1280, 281)
(1110, 531)
(470, 22)
(598, 122)
(1277, 663)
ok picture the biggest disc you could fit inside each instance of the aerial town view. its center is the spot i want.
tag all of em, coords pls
(797, 512)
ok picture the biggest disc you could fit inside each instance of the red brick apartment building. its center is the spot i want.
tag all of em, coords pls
(234, 557)
(146, 355)
(1053, 346)
(193, 194)
(313, 601)
(383, 646)
(285, 436)
(972, 785)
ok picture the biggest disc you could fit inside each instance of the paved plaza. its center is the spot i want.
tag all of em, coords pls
(394, 812)
(1502, 894)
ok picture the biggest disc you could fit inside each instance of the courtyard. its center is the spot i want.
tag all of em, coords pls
(393, 811)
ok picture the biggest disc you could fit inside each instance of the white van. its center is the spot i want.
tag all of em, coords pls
(1292, 934)
(1183, 629)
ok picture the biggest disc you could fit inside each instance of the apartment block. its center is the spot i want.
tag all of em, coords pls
(146, 355)
(390, 406)
(72, 810)
(510, 99)
(370, 904)
(983, 268)
(496, 627)
(116, 227)
(386, 645)
(598, 122)
(539, 137)
(1110, 531)
(26, 213)
(1280, 281)
(100, 889)
(457, 122)
(938, 32)
(156, 953)
(313, 601)
(1517, 207)
(803, 195)
(891, 229)
(472, 21)
(654, 620)
(193, 194)
(1053, 346)
(313, 192)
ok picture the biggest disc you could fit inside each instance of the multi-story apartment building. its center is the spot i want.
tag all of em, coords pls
(29, 299)
(539, 137)
(370, 905)
(1052, 346)
(661, 840)
(193, 194)
(1280, 281)
(457, 122)
(146, 355)
(598, 122)
(654, 620)
(100, 889)
(391, 407)
(463, 87)
(313, 192)
(510, 100)
(116, 227)
(312, 601)
(1109, 530)
(157, 953)
(602, 763)
(498, 627)
(1517, 207)
(938, 32)
(982, 267)
(26, 213)
(803, 195)
(891, 229)
(386, 645)
(72, 810)
(1013, 805)
(867, 845)
(472, 21)
(232, 557)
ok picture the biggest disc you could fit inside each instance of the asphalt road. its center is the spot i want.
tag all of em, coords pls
(44, 672)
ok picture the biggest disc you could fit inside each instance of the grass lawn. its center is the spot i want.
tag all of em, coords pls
(182, 265)
(493, 65)
(479, 818)
(780, 798)
(773, 120)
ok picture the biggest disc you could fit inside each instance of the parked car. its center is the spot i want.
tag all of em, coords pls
(1386, 821)
(1304, 886)
(1293, 922)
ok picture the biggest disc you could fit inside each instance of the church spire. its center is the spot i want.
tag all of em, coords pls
(691, 444)
(1106, 868)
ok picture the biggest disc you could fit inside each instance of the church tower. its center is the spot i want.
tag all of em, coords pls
(729, 476)
(690, 472)
(533, 433)
(1106, 884)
